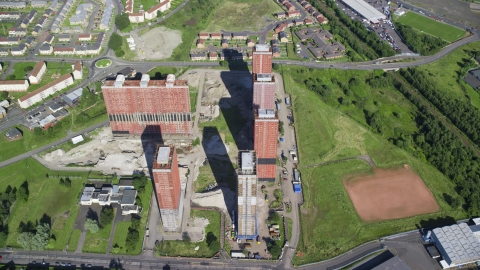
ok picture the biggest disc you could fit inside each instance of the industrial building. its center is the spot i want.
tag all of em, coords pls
(247, 195)
(262, 59)
(166, 178)
(263, 91)
(458, 244)
(265, 139)
(148, 106)
(365, 10)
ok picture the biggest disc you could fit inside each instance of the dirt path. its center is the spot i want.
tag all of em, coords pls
(365, 158)
(439, 115)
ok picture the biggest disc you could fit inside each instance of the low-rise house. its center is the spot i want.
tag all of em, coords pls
(280, 15)
(283, 37)
(42, 21)
(275, 42)
(200, 43)
(93, 49)
(14, 85)
(84, 37)
(80, 50)
(280, 27)
(13, 5)
(64, 38)
(227, 36)
(77, 70)
(212, 56)
(162, 7)
(308, 21)
(216, 36)
(289, 6)
(66, 29)
(17, 32)
(198, 56)
(4, 51)
(9, 40)
(129, 6)
(136, 17)
(63, 51)
(49, 39)
(77, 29)
(203, 35)
(250, 43)
(224, 43)
(29, 41)
(241, 36)
(297, 22)
(37, 73)
(6, 15)
(45, 49)
(276, 51)
(321, 19)
(45, 91)
(37, 3)
(19, 50)
(36, 30)
(293, 14)
(48, 12)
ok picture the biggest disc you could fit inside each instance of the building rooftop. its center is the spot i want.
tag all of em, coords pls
(263, 113)
(13, 133)
(262, 48)
(163, 154)
(458, 243)
(37, 68)
(129, 196)
(247, 161)
(366, 10)
(394, 263)
(163, 157)
(121, 82)
(263, 77)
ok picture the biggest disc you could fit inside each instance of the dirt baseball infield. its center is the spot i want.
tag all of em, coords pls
(389, 194)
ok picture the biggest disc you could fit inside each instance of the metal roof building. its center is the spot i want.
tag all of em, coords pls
(365, 10)
(247, 195)
(457, 244)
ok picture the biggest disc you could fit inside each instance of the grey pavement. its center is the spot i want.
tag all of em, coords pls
(81, 241)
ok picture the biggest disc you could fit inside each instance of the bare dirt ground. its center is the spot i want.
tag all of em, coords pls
(390, 194)
(196, 229)
(456, 10)
(157, 43)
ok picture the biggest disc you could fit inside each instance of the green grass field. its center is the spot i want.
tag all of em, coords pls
(61, 228)
(103, 63)
(74, 237)
(444, 72)
(207, 177)
(97, 242)
(19, 70)
(46, 197)
(122, 227)
(240, 15)
(186, 248)
(329, 223)
(431, 27)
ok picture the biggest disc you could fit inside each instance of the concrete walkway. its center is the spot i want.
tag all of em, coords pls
(83, 235)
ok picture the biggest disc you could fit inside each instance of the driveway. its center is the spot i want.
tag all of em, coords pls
(118, 218)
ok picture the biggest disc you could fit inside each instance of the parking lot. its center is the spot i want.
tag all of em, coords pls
(385, 29)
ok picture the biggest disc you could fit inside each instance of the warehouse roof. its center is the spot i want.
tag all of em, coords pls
(365, 10)
(458, 243)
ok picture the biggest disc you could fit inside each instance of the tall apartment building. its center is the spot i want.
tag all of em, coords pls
(263, 91)
(166, 177)
(265, 139)
(247, 195)
(262, 59)
(148, 106)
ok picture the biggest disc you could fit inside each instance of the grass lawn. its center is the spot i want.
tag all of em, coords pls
(235, 120)
(240, 15)
(97, 242)
(432, 27)
(160, 73)
(62, 229)
(61, 208)
(187, 248)
(474, 96)
(444, 72)
(19, 70)
(74, 237)
(193, 99)
(122, 227)
(103, 63)
(329, 223)
(290, 228)
(207, 177)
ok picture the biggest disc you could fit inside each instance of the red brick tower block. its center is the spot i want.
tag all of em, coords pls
(262, 59)
(263, 91)
(265, 138)
(148, 106)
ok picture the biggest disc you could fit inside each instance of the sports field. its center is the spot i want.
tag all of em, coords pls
(431, 27)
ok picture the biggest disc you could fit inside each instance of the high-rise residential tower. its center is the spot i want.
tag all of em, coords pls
(265, 139)
(166, 178)
(262, 59)
(263, 91)
(148, 106)
(247, 195)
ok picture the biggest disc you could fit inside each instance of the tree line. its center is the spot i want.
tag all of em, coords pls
(421, 43)
(463, 115)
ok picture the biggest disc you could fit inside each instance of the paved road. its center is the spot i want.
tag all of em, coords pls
(48, 146)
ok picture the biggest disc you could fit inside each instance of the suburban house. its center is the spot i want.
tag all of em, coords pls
(276, 51)
(321, 19)
(308, 21)
(275, 42)
(283, 37)
(162, 7)
(77, 70)
(37, 73)
(322, 45)
(45, 91)
(45, 49)
(200, 43)
(4, 51)
(5, 15)
(36, 30)
(212, 56)
(42, 21)
(203, 35)
(216, 36)
(129, 6)
(293, 14)
(241, 36)
(9, 40)
(13, 5)
(280, 15)
(198, 56)
(250, 43)
(107, 15)
(17, 32)
(136, 17)
(63, 51)
(224, 43)
(227, 35)
(84, 37)
(64, 38)
(49, 39)
(280, 27)
(14, 85)
(38, 3)
(19, 50)
(289, 6)
(29, 41)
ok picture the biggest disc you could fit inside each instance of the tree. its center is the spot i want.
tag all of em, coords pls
(115, 42)
(24, 239)
(28, 68)
(3, 95)
(224, 64)
(119, 53)
(106, 216)
(212, 242)
(275, 66)
(42, 237)
(11, 77)
(68, 182)
(91, 225)
(135, 222)
(22, 193)
(133, 238)
(159, 14)
(122, 21)
(139, 182)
